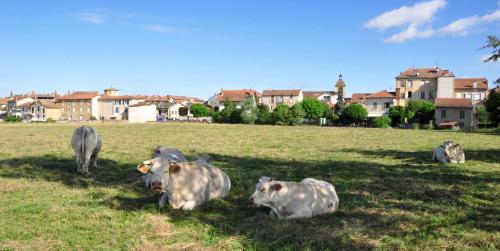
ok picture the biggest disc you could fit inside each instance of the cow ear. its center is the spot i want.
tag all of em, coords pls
(173, 166)
(275, 187)
(144, 167)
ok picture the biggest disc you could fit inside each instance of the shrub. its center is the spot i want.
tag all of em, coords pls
(50, 120)
(13, 119)
(411, 109)
(415, 126)
(235, 117)
(264, 116)
(92, 118)
(224, 115)
(426, 112)
(355, 113)
(314, 108)
(382, 122)
(249, 112)
(492, 106)
(396, 113)
(428, 126)
(482, 116)
(199, 110)
(282, 114)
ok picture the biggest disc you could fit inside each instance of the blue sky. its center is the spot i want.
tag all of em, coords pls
(197, 47)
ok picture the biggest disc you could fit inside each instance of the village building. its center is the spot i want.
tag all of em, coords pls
(378, 104)
(113, 106)
(41, 110)
(142, 112)
(172, 110)
(79, 106)
(471, 88)
(237, 97)
(273, 98)
(455, 113)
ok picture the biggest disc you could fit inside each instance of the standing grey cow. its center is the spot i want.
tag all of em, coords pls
(86, 143)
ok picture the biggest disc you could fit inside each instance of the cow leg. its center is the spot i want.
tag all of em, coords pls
(93, 160)
(78, 164)
(175, 201)
(163, 200)
(86, 166)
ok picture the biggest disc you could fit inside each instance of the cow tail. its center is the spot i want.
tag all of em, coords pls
(84, 135)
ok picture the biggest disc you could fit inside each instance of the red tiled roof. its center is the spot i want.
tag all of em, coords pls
(120, 97)
(454, 102)
(425, 73)
(359, 97)
(381, 94)
(467, 83)
(237, 95)
(79, 95)
(280, 92)
(47, 104)
(3, 101)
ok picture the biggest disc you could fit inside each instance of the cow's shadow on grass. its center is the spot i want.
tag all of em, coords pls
(379, 203)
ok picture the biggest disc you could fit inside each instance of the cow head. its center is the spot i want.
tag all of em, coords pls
(265, 191)
(156, 173)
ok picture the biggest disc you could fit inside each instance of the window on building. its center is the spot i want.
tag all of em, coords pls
(81, 117)
(326, 98)
(477, 97)
(43, 109)
(272, 99)
(409, 94)
(431, 96)
(126, 102)
(374, 105)
(402, 95)
(117, 109)
(409, 83)
(443, 114)
(38, 108)
(462, 124)
(387, 105)
(403, 83)
(32, 109)
(422, 95)
(463, 95)
(462, 114)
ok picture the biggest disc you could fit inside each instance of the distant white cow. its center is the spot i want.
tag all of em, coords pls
(448, 152)
(290, 200)
(185, 184)
(86, 144)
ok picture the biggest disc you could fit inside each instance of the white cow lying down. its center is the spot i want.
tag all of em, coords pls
(448, 152)
(185, 184)
(295, 199)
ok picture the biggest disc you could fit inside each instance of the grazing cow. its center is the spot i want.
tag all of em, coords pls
(448, 152)
(86, 143)
(185, 184)
(290, 200)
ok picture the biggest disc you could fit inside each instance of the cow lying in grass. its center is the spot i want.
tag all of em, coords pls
(290, 200)
(448, 152)
(185, 184)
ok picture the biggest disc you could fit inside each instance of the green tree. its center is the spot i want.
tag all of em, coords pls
(199, 110)
(382, 122)
(396, 113)
(355, 113)
(264, 115)
(297, 114)
(494, 44)
(314, 108)
(249, 112)
(282, 114)
(224, 115)
(340, 105)
(426, 112)
(411, 109)
(482, 115)
(492, 105)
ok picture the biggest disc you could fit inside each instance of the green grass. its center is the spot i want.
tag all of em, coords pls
(391, 196)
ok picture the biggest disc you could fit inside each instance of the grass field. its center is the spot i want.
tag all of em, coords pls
(391, 196)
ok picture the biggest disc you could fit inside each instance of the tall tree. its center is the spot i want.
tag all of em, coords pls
(340, 105)
(494, 44)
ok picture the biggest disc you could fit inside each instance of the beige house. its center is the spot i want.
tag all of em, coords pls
(422, 84)
(455, 112)
(17, 104)
(113, 106)
(170, 110)
(327, 97)
(378, 104)
(41, 110)
(273, 98)
(471, 88)
(237, 97)
(79, 106)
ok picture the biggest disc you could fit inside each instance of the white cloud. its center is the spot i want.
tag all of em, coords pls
(91, 17)
(160, 28)
(412, 32)
(422, 12)
(418, 20)
(463, 25)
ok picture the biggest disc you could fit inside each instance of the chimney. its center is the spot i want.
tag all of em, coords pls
(474, 85)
